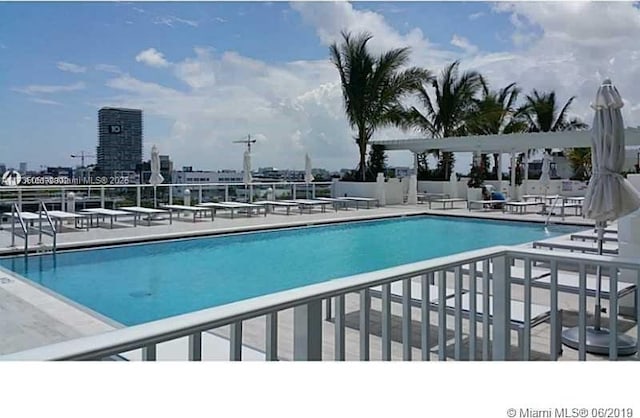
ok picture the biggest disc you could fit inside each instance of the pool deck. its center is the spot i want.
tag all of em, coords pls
(33, 316)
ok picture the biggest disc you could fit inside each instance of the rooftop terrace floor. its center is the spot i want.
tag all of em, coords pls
(32, 316)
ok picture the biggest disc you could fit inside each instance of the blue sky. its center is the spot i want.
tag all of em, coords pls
(206, 74)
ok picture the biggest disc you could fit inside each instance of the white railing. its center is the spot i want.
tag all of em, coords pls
(467, 275)
(15, 213)
(137, 193)
(54, 233)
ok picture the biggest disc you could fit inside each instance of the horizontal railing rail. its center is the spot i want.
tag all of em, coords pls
(463, 270)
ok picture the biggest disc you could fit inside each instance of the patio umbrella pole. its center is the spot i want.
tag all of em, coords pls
(609, 197)
(598, 313)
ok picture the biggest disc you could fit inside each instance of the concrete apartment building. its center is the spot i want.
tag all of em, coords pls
(119, 140)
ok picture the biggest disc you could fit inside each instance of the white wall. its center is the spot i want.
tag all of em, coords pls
(393, 190)
(563, 187)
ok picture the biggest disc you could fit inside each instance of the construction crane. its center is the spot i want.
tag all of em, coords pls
(247, 141)
(82, 156)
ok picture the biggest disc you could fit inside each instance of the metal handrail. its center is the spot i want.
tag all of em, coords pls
(15, 210)
(54, 233)
(553, 205)
(149, 334)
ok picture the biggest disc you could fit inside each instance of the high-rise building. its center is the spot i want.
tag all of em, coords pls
(23, 168)
(3, 168)
(119, 140)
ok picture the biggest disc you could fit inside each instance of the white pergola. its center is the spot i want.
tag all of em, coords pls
(508, 143)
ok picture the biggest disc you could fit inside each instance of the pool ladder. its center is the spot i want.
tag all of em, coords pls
(553, 206)
(42, 209)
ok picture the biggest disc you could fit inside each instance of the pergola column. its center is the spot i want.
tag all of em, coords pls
(415, 163)
(526, 173)
(513, 184)
(499, 171)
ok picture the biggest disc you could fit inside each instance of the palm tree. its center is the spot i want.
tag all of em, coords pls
(496, 114)
(372, 86)
(448, 109)
(541, 113)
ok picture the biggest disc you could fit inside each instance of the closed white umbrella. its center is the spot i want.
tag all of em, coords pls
(246, 168)
(609, 197)
(156, 178)
(308, 176)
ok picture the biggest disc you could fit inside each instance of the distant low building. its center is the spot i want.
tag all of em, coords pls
(59, 172)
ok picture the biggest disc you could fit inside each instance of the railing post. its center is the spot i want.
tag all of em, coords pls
(293, 191)
(250, 193)
(13, 225)
(40, 223)
(313, 190)
(501, 309)
(102, 197)
(200, 194)
(195, 347)
(20, 200)
(307, 331)
(226, 192)
(171, 195)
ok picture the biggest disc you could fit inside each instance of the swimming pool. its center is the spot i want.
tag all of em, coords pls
(140, 283)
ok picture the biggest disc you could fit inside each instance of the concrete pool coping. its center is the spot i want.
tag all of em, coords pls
(39, 316)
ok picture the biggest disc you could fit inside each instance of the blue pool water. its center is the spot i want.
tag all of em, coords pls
(140, 283)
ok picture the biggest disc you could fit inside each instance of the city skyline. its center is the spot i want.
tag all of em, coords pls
(208, 74)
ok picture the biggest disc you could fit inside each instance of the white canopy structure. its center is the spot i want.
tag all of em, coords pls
(506, 143)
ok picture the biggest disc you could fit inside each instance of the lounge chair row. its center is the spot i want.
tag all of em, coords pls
(86, 218)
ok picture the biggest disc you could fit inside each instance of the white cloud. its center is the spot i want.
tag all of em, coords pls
(296, 107)
(71, 68)
(108, 68)
(152, 58)
(172, 21)
(45, 101)
(476, 16)
(464, 44)
(34, 89)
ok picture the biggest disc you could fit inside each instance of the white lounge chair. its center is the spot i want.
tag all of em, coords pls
(194, 210)
(59, 217)
(139, 212)
(520, 207)
(539, 313)
(446, 201)
(112, 214)
(367, 200)
(337, 202)
(310, 204)
(487, 204)
(233, 206)
(576, 246)
(270, 205)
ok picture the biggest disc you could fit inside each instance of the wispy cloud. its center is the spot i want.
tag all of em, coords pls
(220, 19)
(464, 44)
(34, 89)
(139, 10)
(2, 46)
(70, 67)
(475, 16)
(45, 101)
(108, 68)
(152, 58)
(172, 21)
